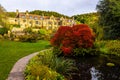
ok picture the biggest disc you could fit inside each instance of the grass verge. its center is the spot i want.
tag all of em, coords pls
(11, 51)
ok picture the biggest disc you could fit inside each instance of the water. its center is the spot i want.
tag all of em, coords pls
(95, 74)
(95, 68)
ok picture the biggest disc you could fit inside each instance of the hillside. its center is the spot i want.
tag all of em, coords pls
(48, 13)
(39, 12)
(89, 18)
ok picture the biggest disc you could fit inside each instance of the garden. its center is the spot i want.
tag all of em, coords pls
(76, 55)
(11, 52)
(77, 52)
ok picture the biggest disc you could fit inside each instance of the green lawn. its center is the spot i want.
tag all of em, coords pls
(11, 51)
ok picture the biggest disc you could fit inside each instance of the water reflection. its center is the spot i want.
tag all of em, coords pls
(95, 68)
(95, 74)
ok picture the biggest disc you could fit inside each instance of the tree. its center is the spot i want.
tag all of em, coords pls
(3, 17)
(69, 38)
(3, 21)
(110, 17)
(48, 13)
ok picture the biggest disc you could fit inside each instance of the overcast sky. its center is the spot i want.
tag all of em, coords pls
(67, 7)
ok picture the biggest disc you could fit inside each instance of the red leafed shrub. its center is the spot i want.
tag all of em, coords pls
(67, 50)
(61, 35)
(68, 38)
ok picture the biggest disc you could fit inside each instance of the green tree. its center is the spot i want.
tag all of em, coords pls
(91, 19)
(110, 17)
(3, 20)
(11, 14)
(48, 13)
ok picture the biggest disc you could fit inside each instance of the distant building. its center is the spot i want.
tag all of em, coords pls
(37, 22)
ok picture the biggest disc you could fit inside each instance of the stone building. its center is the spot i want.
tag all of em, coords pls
(36, 22)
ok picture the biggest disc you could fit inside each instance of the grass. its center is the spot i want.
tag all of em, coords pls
(11, 51)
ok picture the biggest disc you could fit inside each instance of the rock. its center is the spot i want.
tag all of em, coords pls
(110, 64)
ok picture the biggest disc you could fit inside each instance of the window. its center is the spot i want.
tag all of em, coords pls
(50, 27)
(55, 23)
(15, 20)
(24, 20)
(30, 17)
(37, 22)
(35, 18)
(69, 21)
(60, 23)
(49, 22)
(30, 22)
(23, 16)
(41, 18)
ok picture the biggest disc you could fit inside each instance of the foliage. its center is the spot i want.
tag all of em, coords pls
(44, 34)
(89, 18)
(43, 31)
(113, 47)
(110, 17)
(108, 47)
(15, 25)
(59, 65)
(92, 19)
(28, 30)
(48, 59)
(47, 13)
(3, 30)
(3, 17)
(29, 38)
(11, 14)
(86, 52)
(11, 52)
(41, 72)
(68, 38)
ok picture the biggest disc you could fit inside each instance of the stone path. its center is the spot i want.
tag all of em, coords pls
(17, 72)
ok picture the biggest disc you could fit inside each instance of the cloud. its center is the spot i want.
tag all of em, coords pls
(67, 7)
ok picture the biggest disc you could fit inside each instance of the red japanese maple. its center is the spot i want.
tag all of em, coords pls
(68, 38)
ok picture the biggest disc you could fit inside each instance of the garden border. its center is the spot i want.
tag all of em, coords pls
(17, 72)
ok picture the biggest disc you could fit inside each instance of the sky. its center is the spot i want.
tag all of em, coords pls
(66, 7)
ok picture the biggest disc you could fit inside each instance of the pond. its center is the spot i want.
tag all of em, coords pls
(96, 68)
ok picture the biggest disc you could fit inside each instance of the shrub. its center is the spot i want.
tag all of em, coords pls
(69, 38)
(3, 31)
(29, 38)
(45, 34)
(28, 30)
(46, 62)
(59, 65)
(113, 47)
(42, 72)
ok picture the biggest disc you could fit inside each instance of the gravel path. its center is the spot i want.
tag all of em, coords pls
(17, 72)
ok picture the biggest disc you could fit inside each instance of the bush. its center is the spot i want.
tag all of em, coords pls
(3, 31)
(42, 72)
(69, 38)
(46, 62)
(45, 34)
(113, 47)
(29, 38)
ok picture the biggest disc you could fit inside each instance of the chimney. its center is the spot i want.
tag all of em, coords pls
(17, 11)
(27, 13)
